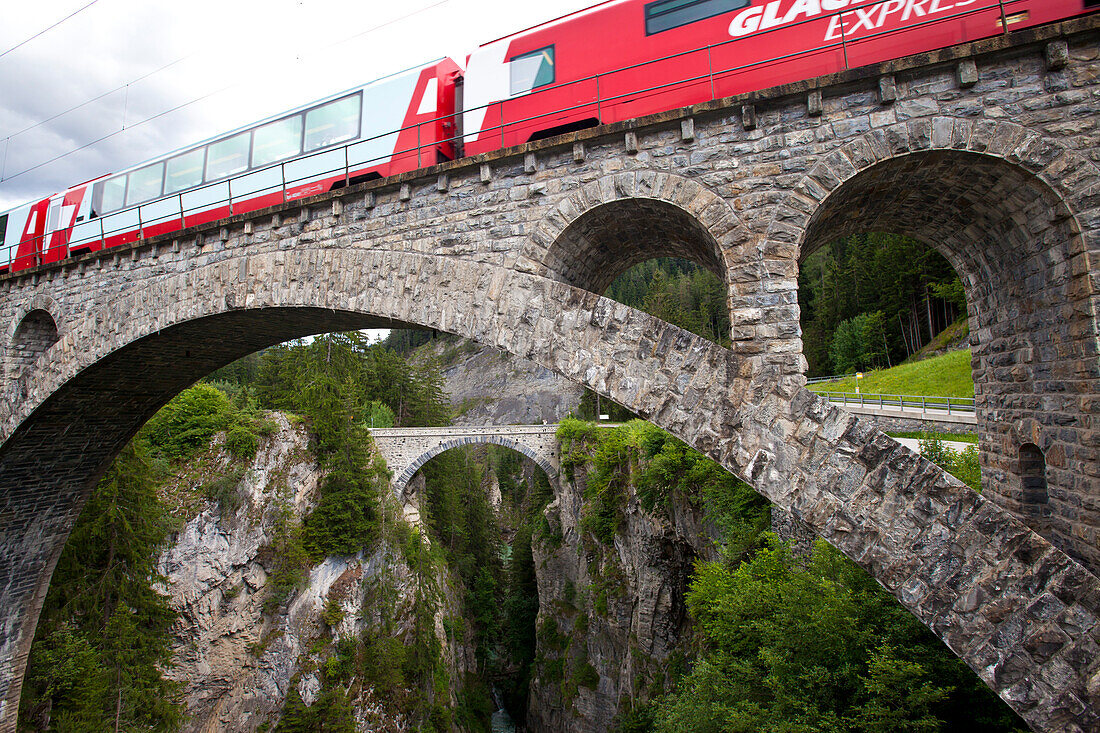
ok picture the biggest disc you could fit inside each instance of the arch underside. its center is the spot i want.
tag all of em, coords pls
(977, 210)
(401, 480)
(1025, 268)
(609, 239)
(960, 564)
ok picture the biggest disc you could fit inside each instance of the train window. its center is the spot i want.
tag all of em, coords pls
(53, 215)
(226, 157)
(332, 123)
(184, 171)
(113, 194)
(277, 140)
(3, 227)
(665, 15)
(145, 184)
(531, 70)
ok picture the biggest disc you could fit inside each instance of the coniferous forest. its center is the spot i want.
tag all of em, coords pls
(874, 300)
(781, 641)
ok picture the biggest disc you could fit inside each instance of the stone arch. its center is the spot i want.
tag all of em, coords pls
(963, 566)
(401, 480)
(583, 241)
(1070, 175)
(999, 202)
(35, 328)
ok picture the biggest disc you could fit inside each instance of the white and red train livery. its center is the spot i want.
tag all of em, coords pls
(614, 61)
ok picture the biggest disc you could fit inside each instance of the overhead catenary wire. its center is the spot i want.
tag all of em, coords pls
(100, 96)
(189, 56)
(47, 29)
(116, 132)
(124, 128)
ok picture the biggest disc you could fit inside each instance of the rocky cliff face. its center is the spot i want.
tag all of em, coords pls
(235, 667)
(237, 656)
(613, 629)
(490, 387)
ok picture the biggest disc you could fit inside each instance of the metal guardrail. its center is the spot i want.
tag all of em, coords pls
(905, 403)
(597, 102)
(834, 378)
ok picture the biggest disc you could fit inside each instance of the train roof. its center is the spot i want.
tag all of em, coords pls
(279, 115)
(228, 133)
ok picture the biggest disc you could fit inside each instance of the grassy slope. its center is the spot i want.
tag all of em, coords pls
(948, 375)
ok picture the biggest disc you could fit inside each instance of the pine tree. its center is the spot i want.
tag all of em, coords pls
(104, 633)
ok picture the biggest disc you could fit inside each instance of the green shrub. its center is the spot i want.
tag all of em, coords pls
(475, 704)
(187, 423)
(333, 613)
(550, 637)
(383, 663)
(347, 517)
(553, 670)
(600, 602)
(378, 415)
(224, 490)
(963, 466)
(858, 343)
(586, 675)
(285, 559)
(241, 442)
(264, 426)
(575, 437)
(966, 469)
(638, 719)
(816, 644)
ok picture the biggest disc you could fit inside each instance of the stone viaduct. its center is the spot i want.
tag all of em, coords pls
(987, 152)
(407, 449)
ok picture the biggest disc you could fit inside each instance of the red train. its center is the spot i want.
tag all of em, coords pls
(614, 61)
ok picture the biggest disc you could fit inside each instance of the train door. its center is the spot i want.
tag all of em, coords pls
(53, 244)
(64, 213)
(28, 253)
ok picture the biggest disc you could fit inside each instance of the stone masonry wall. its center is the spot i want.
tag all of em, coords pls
(987, 151)
(1019, 611)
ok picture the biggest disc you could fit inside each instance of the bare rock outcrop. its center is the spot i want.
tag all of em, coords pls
(490, 387)
(236, 656)
(613, 627)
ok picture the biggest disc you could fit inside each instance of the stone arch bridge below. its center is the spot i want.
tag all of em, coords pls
(407, 449)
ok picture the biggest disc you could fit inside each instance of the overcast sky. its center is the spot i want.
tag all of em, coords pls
(208, 66)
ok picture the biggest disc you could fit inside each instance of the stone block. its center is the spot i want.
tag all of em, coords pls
(748, 116)
(814, 105)
(887, 89)
(687, 129)
(966, 73)
(1056, 54)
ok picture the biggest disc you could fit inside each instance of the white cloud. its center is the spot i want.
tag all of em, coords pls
(254, 58)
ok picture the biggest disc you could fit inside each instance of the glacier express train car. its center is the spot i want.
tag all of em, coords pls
(614, 61)
(396, 124)
(627, 58)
